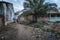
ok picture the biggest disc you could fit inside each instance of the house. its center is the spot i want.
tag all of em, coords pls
(54, 16)
(6, 12)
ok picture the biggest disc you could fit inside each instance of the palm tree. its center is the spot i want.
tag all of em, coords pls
(38, 7)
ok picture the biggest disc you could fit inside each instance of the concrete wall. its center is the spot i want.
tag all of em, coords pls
(42, 19)
(25, 19)
(54, 19)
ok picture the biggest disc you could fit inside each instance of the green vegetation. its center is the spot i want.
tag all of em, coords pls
(38, 25)
(27, 13)
(58, 33)
(51, 30)
(38, 8)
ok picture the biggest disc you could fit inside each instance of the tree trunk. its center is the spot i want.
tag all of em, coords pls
(34, 18)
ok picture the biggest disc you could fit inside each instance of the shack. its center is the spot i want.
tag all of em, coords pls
(6, 13)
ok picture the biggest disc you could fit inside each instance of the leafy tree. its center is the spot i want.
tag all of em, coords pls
(38, 8)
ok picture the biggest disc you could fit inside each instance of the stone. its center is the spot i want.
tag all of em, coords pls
(9, 34)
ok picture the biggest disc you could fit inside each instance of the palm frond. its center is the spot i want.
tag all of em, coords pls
(40, 3)
(35, 2)
(26, 5)
(38, 6)
(53, 4)
(30, 2)
(26, 13)
(54, 9)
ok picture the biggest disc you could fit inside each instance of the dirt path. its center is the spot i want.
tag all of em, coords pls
(24, 32)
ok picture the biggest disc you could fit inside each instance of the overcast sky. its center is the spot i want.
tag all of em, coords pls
(18, 4)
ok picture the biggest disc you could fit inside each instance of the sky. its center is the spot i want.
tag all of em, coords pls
(18, 4)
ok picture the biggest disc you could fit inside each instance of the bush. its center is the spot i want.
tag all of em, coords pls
(38, 25)
(58, 33)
